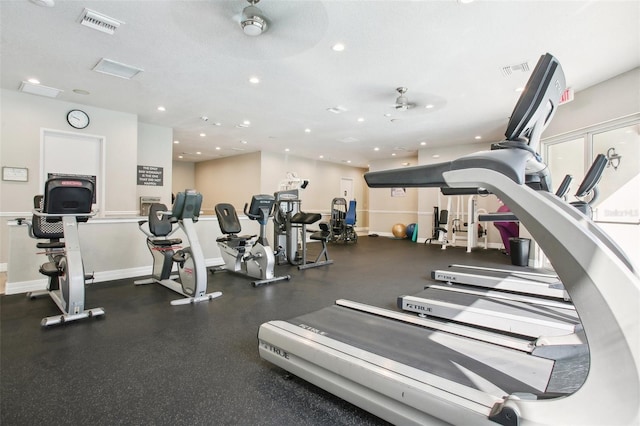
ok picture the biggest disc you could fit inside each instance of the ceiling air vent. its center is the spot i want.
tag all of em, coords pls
(510, 69)
(117, 69)
(98, 21)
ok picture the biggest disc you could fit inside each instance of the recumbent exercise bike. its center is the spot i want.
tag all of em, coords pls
(244, 254)
(66, 202)
(166, 251)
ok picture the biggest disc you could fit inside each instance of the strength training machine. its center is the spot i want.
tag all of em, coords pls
(166, 251)
(66, 202)
(290, 231)
(248, 255)
(343, 221)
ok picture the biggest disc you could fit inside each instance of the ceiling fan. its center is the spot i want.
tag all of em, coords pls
(252, 20)
(402, 102)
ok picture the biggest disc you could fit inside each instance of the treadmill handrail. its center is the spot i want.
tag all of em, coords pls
(509, 162)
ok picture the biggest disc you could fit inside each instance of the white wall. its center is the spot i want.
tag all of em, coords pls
(127, 144)
(611, 99)
(155, 147)
(23, 118)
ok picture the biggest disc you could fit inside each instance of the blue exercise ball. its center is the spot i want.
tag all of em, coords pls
(410, 229)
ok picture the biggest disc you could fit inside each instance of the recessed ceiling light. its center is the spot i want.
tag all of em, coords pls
(218, 148)
(217, 124)
(338, 47)
(428, 106)
(44, 3)
(286, 150)
(423, 143)
(34, 81)
(198, 153)
(376, 149)
(360, 119)
(243, 142)
(204, 118)
(203, 135)
(180, 156)
(349, 161)
(435, 156)
(246, 122)
(520, 89)
(387, 115)
(406, 163)
(176, 141)
(321, 156)
(38, 89)
(254, 80)
(307, 130)
(478, 137)
(393, 154)
(161, 108)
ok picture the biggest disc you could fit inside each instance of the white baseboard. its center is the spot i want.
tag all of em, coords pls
(25, 286)
(104, 276)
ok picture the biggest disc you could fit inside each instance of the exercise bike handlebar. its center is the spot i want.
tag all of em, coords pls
(250, 215)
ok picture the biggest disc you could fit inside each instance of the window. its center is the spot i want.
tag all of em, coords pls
(616, 208)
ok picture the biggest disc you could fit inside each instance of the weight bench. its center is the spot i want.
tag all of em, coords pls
(301, 220)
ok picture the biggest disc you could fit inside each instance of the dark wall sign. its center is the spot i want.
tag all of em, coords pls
(150, 176)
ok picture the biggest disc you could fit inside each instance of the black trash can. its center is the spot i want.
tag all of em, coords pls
(519, 248)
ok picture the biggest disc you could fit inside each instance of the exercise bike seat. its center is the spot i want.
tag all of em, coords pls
(228, 219)
(160, 226)
(230, 226)
(305, 218)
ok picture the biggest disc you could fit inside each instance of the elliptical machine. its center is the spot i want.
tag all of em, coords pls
(66, 202)
(244, 254)
(165, 251)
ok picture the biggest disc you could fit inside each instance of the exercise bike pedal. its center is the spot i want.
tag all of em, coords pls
(180, 257)
(50, 269)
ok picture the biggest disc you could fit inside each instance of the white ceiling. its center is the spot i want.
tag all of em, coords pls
(197, 62)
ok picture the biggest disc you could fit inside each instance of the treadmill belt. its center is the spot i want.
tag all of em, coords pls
(483, 366)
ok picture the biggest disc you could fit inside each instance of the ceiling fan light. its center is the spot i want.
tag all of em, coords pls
(253, 23)
(402, 103)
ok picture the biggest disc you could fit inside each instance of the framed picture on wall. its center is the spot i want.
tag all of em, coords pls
(398, 192)
(15, 174)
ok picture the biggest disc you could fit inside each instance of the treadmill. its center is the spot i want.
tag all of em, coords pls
(408, 372)
(508, 306)
(542, 285)
(533, 283)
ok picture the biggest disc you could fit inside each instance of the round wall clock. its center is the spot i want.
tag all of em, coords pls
(78, 119)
